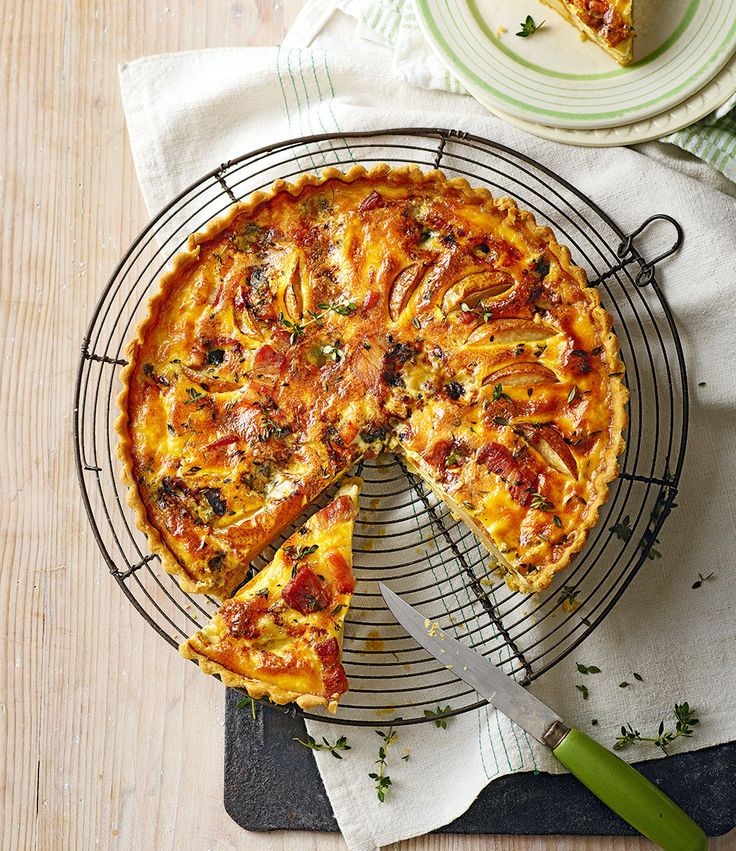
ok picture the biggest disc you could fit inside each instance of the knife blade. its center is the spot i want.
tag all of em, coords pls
(620, 786)
(497, 688)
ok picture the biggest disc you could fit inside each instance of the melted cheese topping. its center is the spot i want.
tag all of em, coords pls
(353, 312)
(281, 634)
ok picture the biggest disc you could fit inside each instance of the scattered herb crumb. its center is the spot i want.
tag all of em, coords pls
(701, 579)
(589, 669)
(638, 677)
(583, 690)
(701, 383)
(540, 502)
(594, 722)
(438, 722)
(499, 394)
(241, 704)
(622, 530)
(568, 594)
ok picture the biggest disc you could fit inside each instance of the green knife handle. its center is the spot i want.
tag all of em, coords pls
(630, 794)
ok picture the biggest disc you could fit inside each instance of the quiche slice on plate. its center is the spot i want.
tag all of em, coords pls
(280, 636)
(608, 23)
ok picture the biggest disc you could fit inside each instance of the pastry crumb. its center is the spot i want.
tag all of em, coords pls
(500, 31)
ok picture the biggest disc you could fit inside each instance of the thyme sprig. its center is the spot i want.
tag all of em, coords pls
(298, 553)
(382, 780)
(685, 721)
(340, 745)
(298, 329)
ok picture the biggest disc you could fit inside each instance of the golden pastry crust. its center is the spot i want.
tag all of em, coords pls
(609, 23)
(316, 323)
(280, 637)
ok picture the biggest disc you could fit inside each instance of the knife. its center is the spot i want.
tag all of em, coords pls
(628, 793)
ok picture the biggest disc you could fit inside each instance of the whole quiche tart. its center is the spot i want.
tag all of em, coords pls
(326, 320)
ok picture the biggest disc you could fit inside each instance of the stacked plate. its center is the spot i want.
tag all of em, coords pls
(554, 85)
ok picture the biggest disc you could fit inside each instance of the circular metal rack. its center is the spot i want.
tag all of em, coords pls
(404, 535)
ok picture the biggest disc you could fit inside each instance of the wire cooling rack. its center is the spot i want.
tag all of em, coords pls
(404, 535)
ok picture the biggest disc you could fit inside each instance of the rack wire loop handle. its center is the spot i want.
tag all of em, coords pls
(646, 274)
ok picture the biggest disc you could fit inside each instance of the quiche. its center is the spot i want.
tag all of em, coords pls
(325, 320)
(281, 635)
(609, 23)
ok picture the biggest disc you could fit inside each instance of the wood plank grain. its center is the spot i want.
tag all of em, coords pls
(107, 739)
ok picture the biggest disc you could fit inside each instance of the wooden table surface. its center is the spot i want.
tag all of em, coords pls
(100, 748)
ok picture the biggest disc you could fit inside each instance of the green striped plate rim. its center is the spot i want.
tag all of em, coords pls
(554, 78)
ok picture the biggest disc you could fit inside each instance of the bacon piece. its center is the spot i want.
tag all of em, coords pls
(334, 680)
(437, 455)
(370, 202)
(227, 440)
(348, 431)
(370, 301)
(267, 364)
(338, 511)
(518, 474)
(305, 593)
(578, 362)
(342, 573)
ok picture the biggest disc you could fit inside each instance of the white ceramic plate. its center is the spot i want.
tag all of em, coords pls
(697, 106)
(553, 78)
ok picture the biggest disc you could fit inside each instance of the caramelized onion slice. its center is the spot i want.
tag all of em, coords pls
(550, 444)
(476, 287)
(402, 289)
(509, 331)
(521, 374)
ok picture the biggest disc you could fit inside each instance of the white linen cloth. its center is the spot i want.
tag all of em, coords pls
(191, 111)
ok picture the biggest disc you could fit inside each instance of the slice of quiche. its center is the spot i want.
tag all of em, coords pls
(280, 636)
(609, 23)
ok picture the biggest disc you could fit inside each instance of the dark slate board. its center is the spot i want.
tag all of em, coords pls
(271, 783)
